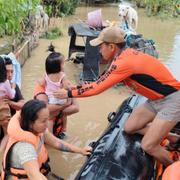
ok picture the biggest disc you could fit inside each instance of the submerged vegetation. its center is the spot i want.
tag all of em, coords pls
(52, 33)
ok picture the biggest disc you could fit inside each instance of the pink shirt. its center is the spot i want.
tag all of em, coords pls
(53, 86)
(6, 90)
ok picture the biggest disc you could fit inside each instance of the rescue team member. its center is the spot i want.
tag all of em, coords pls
(25, 155)
(172, 172)
(145, 75)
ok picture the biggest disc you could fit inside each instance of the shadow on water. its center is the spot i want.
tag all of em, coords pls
(89, 123)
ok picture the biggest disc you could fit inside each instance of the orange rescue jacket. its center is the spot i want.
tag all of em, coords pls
(16, 134)
(172, 172)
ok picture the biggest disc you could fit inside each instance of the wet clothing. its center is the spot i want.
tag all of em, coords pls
(143, 73)
(18, 97)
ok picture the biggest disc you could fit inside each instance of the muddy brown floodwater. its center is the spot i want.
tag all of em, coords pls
(90, 122)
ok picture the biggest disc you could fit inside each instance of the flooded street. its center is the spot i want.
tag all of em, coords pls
(87, 125)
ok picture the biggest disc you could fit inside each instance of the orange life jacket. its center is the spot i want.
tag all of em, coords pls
(172, 172)
(58, 120)
(16, 134)
(39, 89)
(134, 68)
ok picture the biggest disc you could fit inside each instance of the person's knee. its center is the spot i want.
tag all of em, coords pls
(75, 109)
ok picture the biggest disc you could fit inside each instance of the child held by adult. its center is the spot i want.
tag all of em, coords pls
(53, 80)
(7, 92)
(6, 89)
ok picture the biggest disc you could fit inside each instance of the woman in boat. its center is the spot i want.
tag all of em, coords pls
(25, 155)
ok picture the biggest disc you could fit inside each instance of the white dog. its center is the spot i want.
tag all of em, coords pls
(128, 14)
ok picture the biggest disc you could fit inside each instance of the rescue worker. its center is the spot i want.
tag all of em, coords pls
(147, 76)
(172, 172)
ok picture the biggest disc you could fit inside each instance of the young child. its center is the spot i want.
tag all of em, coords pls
(6, 90)
(55, 78)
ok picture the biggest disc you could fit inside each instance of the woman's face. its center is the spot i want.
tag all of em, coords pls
(40, 124)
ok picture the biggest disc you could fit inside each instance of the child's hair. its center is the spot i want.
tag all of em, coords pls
(29, 113)
(53, 61)
(3, 73)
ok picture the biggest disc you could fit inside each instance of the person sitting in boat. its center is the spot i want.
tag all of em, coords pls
(4, 120)
(54, 79)
(13, 56)
(25, 155)
(18, 101)
(147, 76)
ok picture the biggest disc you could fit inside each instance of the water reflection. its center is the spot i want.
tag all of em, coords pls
(174, 58)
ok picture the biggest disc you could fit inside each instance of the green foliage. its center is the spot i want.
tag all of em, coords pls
(12, 14)
(60, 8)
(163, 8)
(52, 34)
(68, 7)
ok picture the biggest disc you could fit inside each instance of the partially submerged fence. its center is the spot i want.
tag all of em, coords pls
(23, 50)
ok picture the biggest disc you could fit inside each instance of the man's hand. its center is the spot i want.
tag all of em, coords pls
(61, 93)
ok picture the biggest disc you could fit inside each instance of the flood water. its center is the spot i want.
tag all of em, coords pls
(89, 123)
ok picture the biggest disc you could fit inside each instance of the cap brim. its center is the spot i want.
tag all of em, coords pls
(96, 42)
